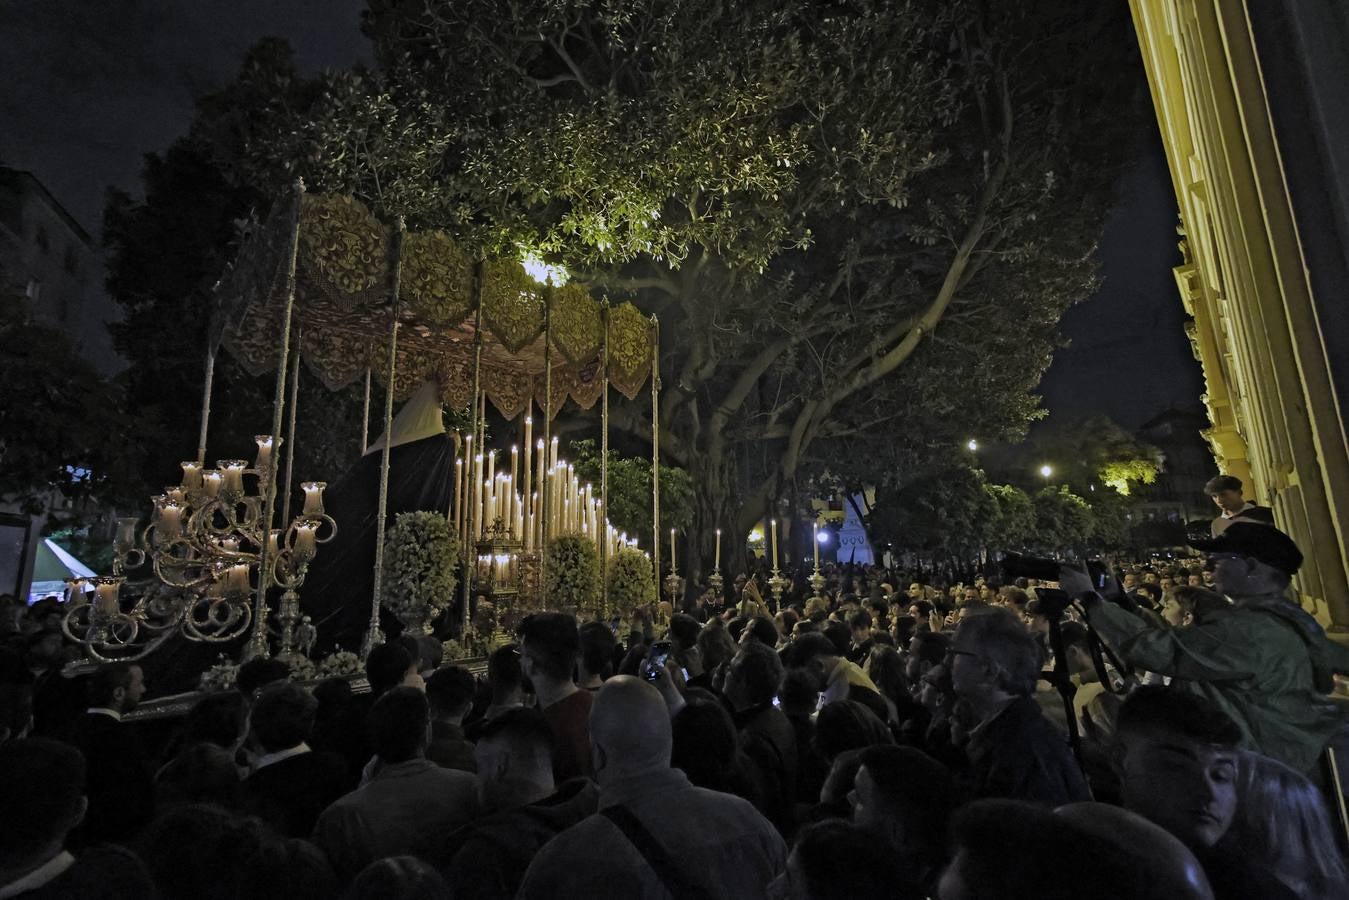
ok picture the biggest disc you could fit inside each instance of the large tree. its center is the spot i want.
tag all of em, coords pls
(858, 222)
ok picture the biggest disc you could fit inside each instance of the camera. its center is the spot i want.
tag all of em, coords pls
(1019, 565)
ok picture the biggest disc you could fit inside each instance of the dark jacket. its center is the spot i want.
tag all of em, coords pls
(290, 794)
(449, 749)
(769, 743)
(1020, 756)
(489, 858)
(120, 782)
(105, 872)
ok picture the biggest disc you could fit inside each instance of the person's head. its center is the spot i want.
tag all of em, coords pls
(400, 723)
(760, 629)
(715, 644)
(597, 650)
(116, 686)
(431, 653)
(1168, 868)
(926, 649)
(217, 718)
(1130, 581)
(859, 623)
(42, 783)
(1199, 603)
(399, 878)
(257, 673)
(833, 860)
(1225, 490)
(504, 675)
(200, 773)
(514, 754)
(289, 869)
(549, 645)
(629, 729)
(1176, 756)
(704, 742)
(994, 657)
(785, 622)
(817, 652)
(885, 667)
(907, 797)
(217, 843)
(683, 633)
(845, 725)
(1149, 594)
(1060, 860)
(754, 676)
(282, 716)
(450, 692)
(1077, 647)
(840, 635)
(800, 692)
(915, 591)
(16, 710)
(1251, 559)
(42, 649)
(1283, 820)
(388, 666)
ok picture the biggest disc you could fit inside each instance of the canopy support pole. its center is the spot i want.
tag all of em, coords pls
(373, 635)
(257, 642)
(206, 403)
(602, 526)
(365, 414)
(545, 490)
(290, 434)
(472, 511)
(655, 452)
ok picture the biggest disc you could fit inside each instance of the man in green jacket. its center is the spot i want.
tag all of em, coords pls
(1264, 661)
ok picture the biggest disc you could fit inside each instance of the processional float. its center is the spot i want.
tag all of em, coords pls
(325, 282)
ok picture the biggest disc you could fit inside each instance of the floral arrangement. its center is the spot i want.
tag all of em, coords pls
(301, 669)
(342, 662)
(573, 575)
(220, 677)
(630, 583)
(420, 552)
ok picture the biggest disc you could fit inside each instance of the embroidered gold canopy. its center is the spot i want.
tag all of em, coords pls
(343, 303)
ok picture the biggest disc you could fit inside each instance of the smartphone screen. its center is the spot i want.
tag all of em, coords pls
(656, 658)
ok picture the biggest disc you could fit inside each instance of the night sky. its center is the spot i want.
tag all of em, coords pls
(89, 88)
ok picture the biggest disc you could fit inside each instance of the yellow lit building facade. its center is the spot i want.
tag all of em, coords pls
(1252, 98)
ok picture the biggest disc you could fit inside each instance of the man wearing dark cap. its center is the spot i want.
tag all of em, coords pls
(1226, 493)
(1265, 662)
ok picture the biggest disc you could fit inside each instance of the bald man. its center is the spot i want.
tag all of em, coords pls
(655, 833)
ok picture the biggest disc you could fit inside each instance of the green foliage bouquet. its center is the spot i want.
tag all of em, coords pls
(630, 583)
(419, 558)
(573, 575)
(340, 662)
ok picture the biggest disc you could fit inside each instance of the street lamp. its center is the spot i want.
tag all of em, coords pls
(1046, 470)
(973, 445)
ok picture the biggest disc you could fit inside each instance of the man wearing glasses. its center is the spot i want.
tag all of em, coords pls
(1264, 661)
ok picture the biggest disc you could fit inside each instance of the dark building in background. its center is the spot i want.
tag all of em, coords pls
(49, 256)
(1187, 462)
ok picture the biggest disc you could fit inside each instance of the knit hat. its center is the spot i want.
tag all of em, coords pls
(1263, 542)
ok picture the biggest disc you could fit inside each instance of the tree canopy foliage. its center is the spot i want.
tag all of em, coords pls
(859, 222)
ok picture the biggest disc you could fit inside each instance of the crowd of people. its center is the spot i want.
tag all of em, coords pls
(882, 740)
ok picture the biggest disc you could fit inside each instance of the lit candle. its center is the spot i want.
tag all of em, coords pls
(176, 494)
(716, 566)
(74, 590)
(234, 474)
(529, 446)
(125, 539)
(775, 543)
(236, 579)
(815, 541)
(458, 495)
(210, 481)
(553, 461)
(672, 550)
(170, 521)
(264, 460)
(491, 466)
(313, 499)
(191, 475)
(106, 595)
(475, 517)
(306, 544)
(274, 543)
(515, 464)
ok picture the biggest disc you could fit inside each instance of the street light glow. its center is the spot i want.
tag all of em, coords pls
(1046, 470)
(822, 537)
(973, 445)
